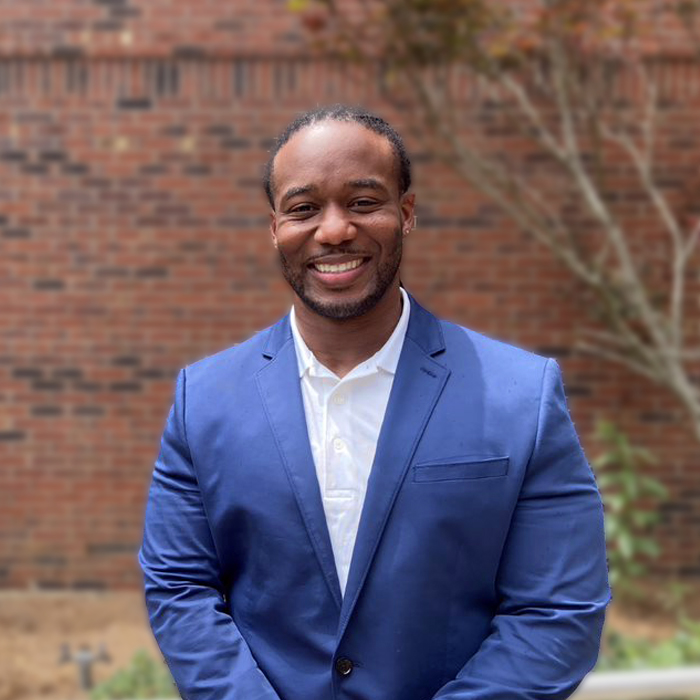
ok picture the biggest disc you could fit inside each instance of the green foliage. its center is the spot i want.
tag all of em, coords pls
(143, 678)
(621, 652)
(629, 498)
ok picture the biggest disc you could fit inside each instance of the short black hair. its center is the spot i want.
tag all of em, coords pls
(342, 113)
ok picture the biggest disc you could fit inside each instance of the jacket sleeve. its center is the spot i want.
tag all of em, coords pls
(206, 653)
(552, 580)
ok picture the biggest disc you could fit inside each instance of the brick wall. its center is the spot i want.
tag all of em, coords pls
(133, 240)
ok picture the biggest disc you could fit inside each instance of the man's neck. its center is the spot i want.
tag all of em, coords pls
(342, 345)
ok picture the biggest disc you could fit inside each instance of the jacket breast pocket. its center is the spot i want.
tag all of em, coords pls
(458, 468)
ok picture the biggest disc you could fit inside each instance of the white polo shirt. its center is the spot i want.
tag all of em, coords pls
(343, 418)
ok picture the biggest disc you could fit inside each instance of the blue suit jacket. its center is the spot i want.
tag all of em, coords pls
(479, 570)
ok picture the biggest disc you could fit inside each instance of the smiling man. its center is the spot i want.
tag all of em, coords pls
(364, 501)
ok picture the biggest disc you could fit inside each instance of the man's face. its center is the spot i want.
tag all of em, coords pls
(339, 220)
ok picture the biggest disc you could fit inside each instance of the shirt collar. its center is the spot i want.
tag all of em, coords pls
(386, 358)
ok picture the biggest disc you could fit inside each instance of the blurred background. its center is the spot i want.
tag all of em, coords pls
(557, 173)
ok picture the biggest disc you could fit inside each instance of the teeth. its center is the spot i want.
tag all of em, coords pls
(342, 267)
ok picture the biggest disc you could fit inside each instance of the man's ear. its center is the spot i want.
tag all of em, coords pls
(408, 203)
(273, 227)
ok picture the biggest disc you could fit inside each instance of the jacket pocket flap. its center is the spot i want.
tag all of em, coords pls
(460, 468)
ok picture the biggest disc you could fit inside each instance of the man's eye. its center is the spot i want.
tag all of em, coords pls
(363, 203)
(302, 209)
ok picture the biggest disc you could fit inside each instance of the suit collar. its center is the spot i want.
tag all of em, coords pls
(423, 329)
(386, 358)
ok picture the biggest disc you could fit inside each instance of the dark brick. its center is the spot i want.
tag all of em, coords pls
(573, 390)
(153, 272)
(126, 361)
(221, 130)
(13, 156)
(52, 156)
(235, 144)
(675, 508)
(197, 170)
(88, 386)
(236, 222)
(191, 52)
(172, 210)
(70, 52)
(557, 351)
(151, 221)
(422, 157)
(35, 169)
(151, 373)
(134, 103)
(50, 560)
(108, 26)
(75, 169)
(153, 169)
(33, 118)
(249, 183)
(86, 585)
(27, 373)
(471, 222)
(46, 411)
(99, 183)
(436, 221)
(67, 373)
(47, 386)
(126, 386)
(191, 222)
(89, 411)
(124, 12)
(112, 272)
(658, 417)
(49, 284)
(113, 548)
(50, 585)
(192, 246)
(12, 435)
(229, 25)
(174, 130)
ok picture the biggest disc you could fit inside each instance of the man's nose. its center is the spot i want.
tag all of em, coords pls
(335, 227)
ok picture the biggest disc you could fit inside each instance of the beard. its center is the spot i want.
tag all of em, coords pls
(346, 310)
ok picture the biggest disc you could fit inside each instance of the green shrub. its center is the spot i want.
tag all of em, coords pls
(143, 678)
(622, 652)
(629, 516)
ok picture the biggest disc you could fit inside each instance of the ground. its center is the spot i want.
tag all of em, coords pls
(34, 626)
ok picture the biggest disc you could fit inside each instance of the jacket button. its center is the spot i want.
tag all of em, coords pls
(343, 666)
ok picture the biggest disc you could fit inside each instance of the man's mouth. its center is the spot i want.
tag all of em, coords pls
(335, 268)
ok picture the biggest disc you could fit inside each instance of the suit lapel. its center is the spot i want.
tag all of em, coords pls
(418, 382)
(280, 391)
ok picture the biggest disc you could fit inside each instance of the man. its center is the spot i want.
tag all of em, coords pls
(363, 501)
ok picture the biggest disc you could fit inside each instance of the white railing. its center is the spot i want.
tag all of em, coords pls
(641, 685)
(675, 683)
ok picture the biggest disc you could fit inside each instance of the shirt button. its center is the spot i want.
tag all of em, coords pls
(339, 399)
(343, 666)
(338, 445)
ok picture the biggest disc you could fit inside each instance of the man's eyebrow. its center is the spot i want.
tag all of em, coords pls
(294, 191)
(368, 183)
